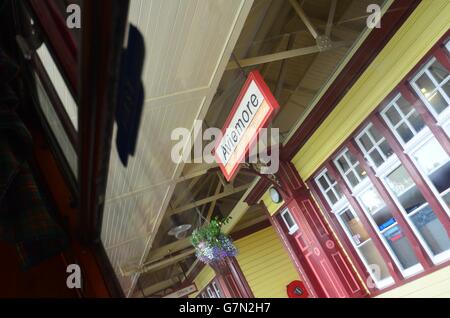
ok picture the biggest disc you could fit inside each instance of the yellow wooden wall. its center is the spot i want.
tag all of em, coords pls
(434, 285)
(265, 264)
(205, 276)
(429, 21)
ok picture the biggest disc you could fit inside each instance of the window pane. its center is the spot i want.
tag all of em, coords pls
(329, 188)
(57, 128)
(393, 116)
(404, 105)
(425, 221)
(441, 178)
(371, 200)
(362, 174)
(323, 183)
(365, 140)
(439, 72)
(367, 251)
(416, 121)
(376, 158)
(401, 247)
(405, 190)
(437, 101)
(446, 88)
(343, 164)
(59, 84)
(337, 190)
(331, 196)
(432, 230)
(386, 149)
(217, 290)
(355, 227)
(405, 133)
(373, 257)
(433, 96)
(352, 179)
(287, 217)
(375, 134)
(427, 162)
(446, 198)
(435, 163)
(425, 84)
(399, 180)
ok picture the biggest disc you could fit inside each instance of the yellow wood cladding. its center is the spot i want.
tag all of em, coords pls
(205, 276)
(434, 285)
(429, 21)
(265, 264)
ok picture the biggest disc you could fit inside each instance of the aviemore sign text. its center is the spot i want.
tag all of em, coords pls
(252, 111)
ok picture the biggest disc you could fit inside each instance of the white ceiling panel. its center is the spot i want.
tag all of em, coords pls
(188, 44)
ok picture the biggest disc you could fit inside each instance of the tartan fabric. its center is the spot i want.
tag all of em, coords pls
(24, 217)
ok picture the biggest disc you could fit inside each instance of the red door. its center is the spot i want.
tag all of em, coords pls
(317, 251)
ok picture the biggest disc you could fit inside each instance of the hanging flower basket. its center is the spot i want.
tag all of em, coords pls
(211, 245)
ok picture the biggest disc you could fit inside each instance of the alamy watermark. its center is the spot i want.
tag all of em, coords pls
(201, 144)
(73, 20)
(374, 19)
(74, 279)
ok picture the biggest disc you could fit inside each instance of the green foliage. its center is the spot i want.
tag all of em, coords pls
(209, 233)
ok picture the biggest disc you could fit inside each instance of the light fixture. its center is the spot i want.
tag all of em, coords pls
(180, 231)
(275, 195)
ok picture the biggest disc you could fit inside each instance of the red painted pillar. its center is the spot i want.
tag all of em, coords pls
(317, 251)
(231, 279)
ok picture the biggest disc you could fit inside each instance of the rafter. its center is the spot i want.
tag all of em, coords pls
(213, 204)
(268, 58)
(151, 267)
(152, 289)
(189, 192)
(199, 203)
(283, 68)
(301, 13)
(330, 18)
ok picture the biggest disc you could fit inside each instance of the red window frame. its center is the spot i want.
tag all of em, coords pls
(440, 52)
(58, 38)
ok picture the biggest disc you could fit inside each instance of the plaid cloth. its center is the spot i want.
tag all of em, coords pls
(24, 217)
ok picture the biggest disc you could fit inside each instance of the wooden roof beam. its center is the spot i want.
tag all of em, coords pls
(201, 202)
(268, 58)
(301, 13)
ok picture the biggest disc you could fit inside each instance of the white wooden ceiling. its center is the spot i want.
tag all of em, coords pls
(188, 44)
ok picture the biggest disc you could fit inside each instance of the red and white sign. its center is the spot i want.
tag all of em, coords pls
(253, 110)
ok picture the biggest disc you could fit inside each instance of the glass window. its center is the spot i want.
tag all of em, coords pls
(447, 127)
(374, 145)
(402, 119)
(217, 290)
(388, 229)
(432, 84)
(59, 84)
(289, 221)
(350, 168)
(365, 248)
(436, 168)
(423, 220)
(329, 188)
(210, 292)
(57, 127)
